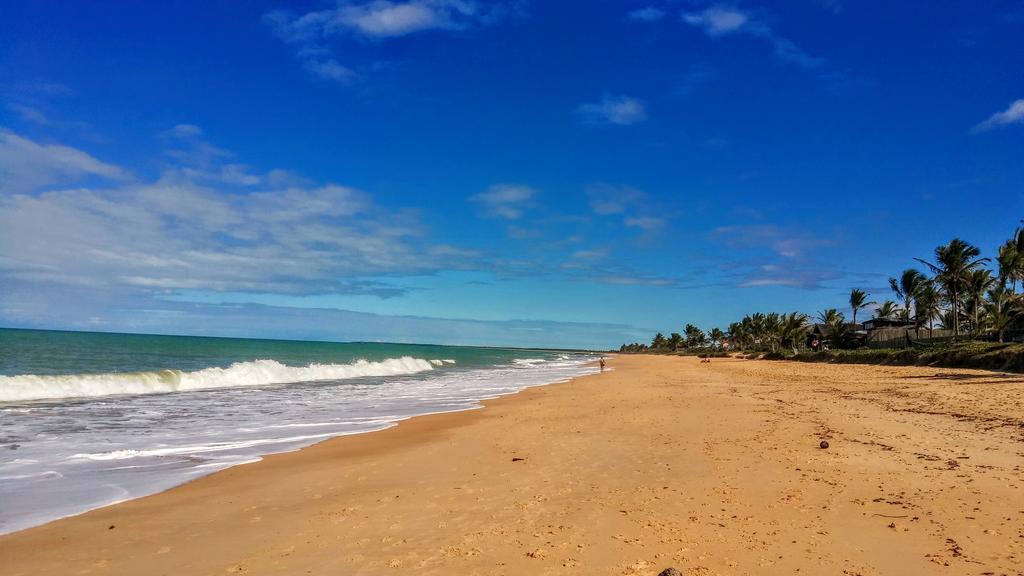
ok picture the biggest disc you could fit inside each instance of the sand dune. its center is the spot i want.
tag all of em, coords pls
(711, 468)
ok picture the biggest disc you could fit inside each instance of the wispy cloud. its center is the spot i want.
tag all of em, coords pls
(195, 158)
(807, 278)
(185, 232)
(592, 254)
(649, 14)
(785, 243)
(33, 103)
(27, 165)
(375, 20)
(720, 20)
(607, 199)
(637, 281)
(646, 223)
(29, 113)
(626, 202)
(184, 131)
(772, 255)
(505, 201)
(329, 69)
(615, 110)
(1014, 114)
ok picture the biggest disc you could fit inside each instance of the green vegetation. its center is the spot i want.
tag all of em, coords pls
(976, 309)
(1004, 357)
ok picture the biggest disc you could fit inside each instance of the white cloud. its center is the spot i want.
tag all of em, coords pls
(184, 131)
(375, 20)
(626, 202)
(29, 113)
(617, 110)
(238, 174)
(1014, 114)
(506, 201)
(594, 254)
(770, 255)
(646, 223)
(329, 69)
(721, 20)
(381, 19)
(183, 231)
(785, 243)
(26, 165)
(186, 145)
(717, 20)
(608, 199)
(649, 14)
(636, 281)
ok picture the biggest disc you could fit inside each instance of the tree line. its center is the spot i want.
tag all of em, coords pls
(956, 290)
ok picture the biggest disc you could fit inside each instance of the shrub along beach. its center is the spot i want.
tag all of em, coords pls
(957, 309)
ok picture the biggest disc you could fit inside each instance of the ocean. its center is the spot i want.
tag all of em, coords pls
(91, 419)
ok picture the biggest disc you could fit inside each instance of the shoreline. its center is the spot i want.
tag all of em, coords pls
(477, 404)
(660, 462)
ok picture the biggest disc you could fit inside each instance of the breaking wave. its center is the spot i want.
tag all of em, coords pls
(254, 373)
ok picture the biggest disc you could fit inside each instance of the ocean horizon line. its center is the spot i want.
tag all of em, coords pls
(299, 340)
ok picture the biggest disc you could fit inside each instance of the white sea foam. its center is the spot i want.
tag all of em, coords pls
(254, 373)
(200, 449)
(68, 457)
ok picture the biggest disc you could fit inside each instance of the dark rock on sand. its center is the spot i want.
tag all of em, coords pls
(824, 444)
(670, 572)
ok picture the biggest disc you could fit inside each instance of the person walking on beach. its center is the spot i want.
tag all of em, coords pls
(601, 363)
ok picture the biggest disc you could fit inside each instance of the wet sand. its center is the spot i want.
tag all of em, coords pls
(711, 468)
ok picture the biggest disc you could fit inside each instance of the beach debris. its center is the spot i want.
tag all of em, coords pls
(823, 445)
(111, 527)
(670, 572)
(538, 553)
(518, 459)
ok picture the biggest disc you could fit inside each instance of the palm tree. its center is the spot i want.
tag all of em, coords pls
(675, 340)
(906, 288)
(926, 305)
(887, 310)
(717, 336)
(1018, 267)
(1009, 262)
(659, 341)
(978, 281)
(773, 328)
(953, 262)
(836, 323)
(829, 316)
(694, 336)
(858, 300)
(757, 322)
(737, 334)
(794, 329)
(1001, 309)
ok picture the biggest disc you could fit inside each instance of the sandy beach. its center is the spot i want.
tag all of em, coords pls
(663, 461)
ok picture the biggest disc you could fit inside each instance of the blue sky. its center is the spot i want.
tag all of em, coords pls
(525, 173)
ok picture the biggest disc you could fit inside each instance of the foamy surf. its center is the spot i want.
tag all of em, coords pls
(121, 435)
(255, 373)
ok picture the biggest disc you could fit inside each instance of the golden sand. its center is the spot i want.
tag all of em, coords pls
(711, 468)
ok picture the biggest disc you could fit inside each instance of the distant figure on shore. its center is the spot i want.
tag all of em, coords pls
(706, 359)
(601, 363)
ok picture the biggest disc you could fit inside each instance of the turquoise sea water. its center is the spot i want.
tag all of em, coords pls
(55, 352)
(88, 419)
